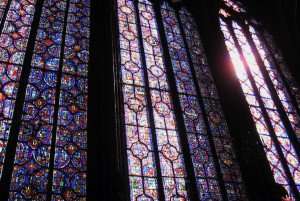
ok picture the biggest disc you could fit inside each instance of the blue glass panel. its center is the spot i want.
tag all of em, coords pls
(13, 43)
(30, 173)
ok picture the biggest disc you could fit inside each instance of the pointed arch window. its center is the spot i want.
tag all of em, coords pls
(269, 88)
(177, 145)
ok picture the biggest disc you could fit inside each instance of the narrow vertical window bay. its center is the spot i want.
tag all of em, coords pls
(45, 47)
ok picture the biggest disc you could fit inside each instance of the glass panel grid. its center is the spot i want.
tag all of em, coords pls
(30, 176)
(31, 165)
(169, 147)
(70, 159)
(200, 149)
(264, 93)
(193, 114)
(277, 81)
(146, 94)
(139, 144)
(13, 39)
(212, 109)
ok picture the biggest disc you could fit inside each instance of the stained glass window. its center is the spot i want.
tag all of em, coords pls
(269, 89)
(177, 143)
(44, 55)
